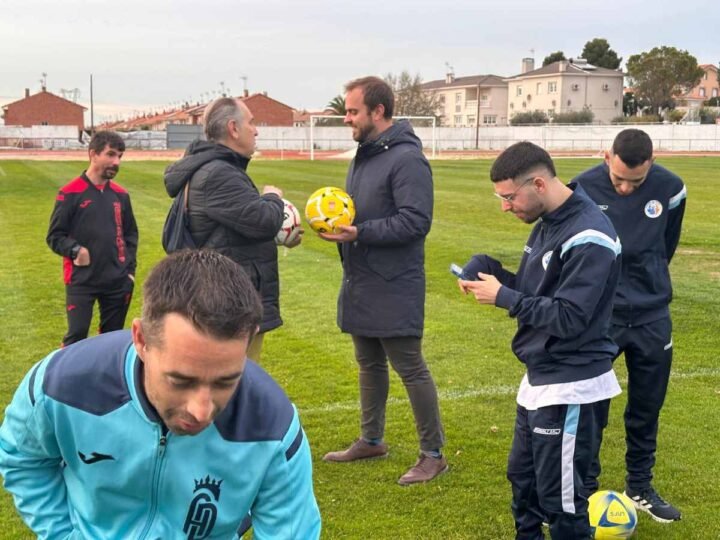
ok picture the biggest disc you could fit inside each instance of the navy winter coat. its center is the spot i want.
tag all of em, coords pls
(383, 289)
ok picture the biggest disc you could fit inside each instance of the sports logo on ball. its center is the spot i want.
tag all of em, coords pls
(328, 208)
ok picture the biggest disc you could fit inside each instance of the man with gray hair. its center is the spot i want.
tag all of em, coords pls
(227, 211)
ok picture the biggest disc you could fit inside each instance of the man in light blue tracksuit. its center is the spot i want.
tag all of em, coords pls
(164, 432)
(561, 297)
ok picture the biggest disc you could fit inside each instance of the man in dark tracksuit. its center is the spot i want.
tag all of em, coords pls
(93, 227)
(646, 203)
(562, 298)
(382, 299)
(227, 212)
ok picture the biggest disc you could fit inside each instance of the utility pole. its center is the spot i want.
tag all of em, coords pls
(92, 108)
(477, 118)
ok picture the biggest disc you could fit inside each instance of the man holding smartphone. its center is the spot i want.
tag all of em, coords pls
(561, 297)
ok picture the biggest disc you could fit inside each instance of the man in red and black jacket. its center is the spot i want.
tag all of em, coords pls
(93, 227)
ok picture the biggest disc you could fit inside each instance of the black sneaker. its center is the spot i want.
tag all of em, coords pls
(648, 500)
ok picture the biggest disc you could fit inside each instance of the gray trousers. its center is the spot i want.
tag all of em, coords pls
(405, 354)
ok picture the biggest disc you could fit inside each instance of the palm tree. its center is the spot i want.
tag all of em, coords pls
(337, 105)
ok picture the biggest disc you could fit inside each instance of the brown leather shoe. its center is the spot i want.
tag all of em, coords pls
(425, 469)
(358, 450)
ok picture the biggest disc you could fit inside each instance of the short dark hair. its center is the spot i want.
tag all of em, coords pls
(218, 114)
(633, 146)
(210, 290)
(106, 138)
(518, 159)
(375, 92)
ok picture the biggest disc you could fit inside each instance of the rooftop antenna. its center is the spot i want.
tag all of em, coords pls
(222, 89)
(72, 94)
(43, 81)
(245, 87)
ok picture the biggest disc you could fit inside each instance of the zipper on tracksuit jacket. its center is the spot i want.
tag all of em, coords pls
(157, 468)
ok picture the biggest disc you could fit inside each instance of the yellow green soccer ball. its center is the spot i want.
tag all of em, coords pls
(328, 208)
(612, 515)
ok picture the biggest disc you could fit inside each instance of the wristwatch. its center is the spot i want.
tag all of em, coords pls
(74, 251)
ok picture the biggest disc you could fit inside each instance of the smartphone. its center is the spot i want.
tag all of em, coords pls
(457, 270)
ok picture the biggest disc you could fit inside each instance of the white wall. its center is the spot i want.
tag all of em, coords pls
(45, 137)
(667, 137)
(592, 138)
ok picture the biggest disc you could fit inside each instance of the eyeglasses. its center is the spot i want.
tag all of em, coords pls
(510, 198)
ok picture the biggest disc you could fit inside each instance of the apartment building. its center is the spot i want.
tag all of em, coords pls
(465, 101)
(566, 85)
(707, 88)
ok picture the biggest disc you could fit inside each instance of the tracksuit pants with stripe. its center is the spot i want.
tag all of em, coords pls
(552, 450)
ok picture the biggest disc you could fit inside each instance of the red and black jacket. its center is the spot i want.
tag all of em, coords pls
(97, 218)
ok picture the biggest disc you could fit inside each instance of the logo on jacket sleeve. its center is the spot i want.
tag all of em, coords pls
(202, 513)
(546, 259)
(653, 209)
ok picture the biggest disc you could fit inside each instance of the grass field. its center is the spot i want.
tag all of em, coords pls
(467, 347)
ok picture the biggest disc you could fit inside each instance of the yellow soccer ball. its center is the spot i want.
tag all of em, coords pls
(612, 515)
(328, 208)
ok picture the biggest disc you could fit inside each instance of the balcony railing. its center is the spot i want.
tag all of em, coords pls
(471, 105)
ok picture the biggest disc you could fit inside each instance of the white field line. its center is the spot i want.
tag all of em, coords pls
(485, 391)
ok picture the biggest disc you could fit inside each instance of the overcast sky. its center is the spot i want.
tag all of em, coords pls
(152, 53)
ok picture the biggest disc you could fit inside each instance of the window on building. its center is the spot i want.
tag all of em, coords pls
(518, 91)
(705, 76)
(490, 119)
(471, 120)
(538, 90)
(552, 87)
(458, 97)
(457, 121)
(441, 99)
(44, 123)
(458, 108)
(702, 92)
(714, 92)
(524, 105)
(550, 113)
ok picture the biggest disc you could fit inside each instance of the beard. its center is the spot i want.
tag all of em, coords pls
(362, 133)
(109, 173)
(531, 213)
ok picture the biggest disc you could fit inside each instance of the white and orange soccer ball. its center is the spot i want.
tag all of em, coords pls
(291, 225)
(328, 208)
(612, 515)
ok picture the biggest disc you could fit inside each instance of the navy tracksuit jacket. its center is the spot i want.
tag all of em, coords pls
(649, 222)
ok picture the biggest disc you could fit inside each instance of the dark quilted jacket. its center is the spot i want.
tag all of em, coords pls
(228, 214)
